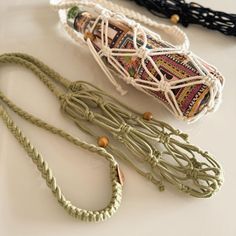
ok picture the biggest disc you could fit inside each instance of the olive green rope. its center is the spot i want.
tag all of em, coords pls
(82, 214)
(86, 215)
(155, 149)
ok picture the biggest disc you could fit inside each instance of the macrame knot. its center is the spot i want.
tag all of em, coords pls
(75, 86)
(124, 129)
(184, 188)
(164, 85)
(192, 173)
(100, 101)
(164, 138)
(133, 24)
(195, 163)
(211, 82)
(205, 154)
(184, 136)
(106, 51)
(130, 80)
(153, 159)
(157, 154)
(210, 18)
(89, 116)
(64, 99)
(106, 14)
(98, 7)
(183, 13)
(142, 52)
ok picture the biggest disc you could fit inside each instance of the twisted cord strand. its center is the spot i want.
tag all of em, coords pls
(46, 172)
(163, 150)
(192, 13)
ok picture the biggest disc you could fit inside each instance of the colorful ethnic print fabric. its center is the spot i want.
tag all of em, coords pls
(191, 99)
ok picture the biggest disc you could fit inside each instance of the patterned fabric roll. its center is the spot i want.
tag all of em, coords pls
(190, 98)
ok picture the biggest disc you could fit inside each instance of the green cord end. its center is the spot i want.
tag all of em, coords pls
(71, 15)
(73, 12)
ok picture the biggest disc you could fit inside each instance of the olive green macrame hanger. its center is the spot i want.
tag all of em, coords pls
(155, 149)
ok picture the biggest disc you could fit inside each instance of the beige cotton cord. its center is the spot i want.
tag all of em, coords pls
(109, 11)
(155, 150)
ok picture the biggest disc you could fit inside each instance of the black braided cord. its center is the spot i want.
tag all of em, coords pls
(192, 13)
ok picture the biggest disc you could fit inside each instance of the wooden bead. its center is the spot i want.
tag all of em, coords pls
(103, 141)
(174, 19)
(89, 35)
(147, 115)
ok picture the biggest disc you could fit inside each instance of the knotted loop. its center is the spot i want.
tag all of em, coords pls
(106, 14)
(124, 129)
(184, 136)
(164, 85)
(89, 115)
(154, 158)
(133, 24)
(75, 86)
(157, 154)
(130, 80)
(184, 188)
(106, 51)
(100, 101)
(64, 99)
(142, 52)
(209, 80)
(195, 163)
(192, 173)
(164, 138)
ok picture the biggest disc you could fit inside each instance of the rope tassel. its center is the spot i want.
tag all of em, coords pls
(154, 149)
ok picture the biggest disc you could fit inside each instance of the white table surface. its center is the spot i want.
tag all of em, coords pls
(27, 206)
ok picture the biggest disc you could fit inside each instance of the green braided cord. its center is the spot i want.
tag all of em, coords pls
(157, 150)
(82, 214)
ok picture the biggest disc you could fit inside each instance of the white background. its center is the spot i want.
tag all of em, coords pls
(27, 206)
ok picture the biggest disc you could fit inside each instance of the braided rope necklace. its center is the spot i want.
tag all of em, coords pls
(156, 150)
(191, 13)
